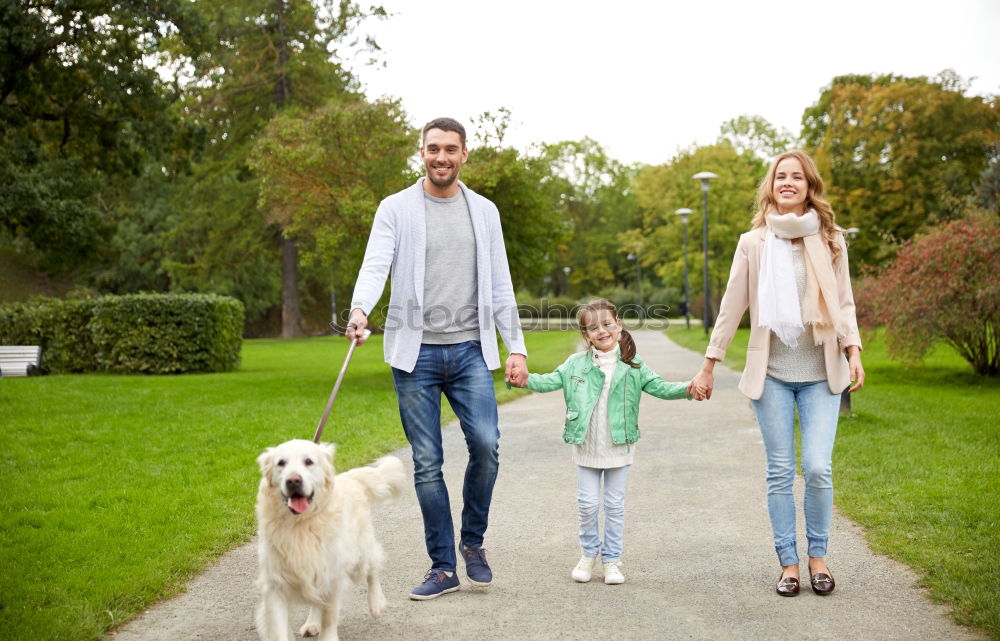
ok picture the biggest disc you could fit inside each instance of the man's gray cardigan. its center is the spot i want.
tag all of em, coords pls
(398, 242)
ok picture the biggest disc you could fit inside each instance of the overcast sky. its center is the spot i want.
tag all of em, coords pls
(646, 79)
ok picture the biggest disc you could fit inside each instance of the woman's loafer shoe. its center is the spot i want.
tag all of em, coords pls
(789, 586)
(822, 583)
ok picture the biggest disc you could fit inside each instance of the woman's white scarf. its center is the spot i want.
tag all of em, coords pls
(778, 305)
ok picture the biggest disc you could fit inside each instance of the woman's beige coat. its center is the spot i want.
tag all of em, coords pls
(741, 292)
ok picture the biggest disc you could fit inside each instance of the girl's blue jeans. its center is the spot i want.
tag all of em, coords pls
(589, 503)
(818, 413)
(460, 373)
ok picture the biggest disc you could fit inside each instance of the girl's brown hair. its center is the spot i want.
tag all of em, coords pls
(814, 198)
(625, 341)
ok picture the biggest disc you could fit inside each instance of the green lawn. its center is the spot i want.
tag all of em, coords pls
(118, 489)
(918, 465)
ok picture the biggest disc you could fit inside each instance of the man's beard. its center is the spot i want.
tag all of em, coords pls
(442, 182)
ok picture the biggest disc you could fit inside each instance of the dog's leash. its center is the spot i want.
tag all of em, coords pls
(336, 387)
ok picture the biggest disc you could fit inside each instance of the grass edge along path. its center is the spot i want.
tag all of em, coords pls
(119, 489)
(917, 465)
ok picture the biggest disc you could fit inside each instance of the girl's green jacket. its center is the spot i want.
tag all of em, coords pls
(582, 381)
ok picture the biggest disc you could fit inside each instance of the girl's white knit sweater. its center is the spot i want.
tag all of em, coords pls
(597, 450)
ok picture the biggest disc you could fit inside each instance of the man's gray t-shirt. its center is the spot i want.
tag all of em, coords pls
(451, 302)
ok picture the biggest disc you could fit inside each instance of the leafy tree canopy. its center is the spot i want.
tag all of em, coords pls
(323, 174)
(81, 105)
(663, 189)
(757, 135)
(515, 182)
(593, 193)
(900, 154)
(267, 56)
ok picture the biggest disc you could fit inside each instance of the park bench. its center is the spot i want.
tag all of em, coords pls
(19, 360)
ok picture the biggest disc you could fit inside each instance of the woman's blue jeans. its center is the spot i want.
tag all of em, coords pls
(589, 504)
(460, 373)
(818, 413)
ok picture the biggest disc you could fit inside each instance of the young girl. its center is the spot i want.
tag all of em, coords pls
(602, 386)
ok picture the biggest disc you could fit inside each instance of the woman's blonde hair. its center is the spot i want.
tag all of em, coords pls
(625, 342)
(814, 198)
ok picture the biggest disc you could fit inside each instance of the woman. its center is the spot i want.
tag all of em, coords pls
(804, 350)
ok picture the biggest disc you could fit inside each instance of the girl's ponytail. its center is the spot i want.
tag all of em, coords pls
(627, 345)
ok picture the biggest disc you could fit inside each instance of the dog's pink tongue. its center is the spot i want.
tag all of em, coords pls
(299, 504)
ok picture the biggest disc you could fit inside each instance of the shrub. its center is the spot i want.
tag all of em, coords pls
(623, 298)
(658, 303)
(942, 287)
(59, 326)
(168, 333)
(546, 307)
(137, 333)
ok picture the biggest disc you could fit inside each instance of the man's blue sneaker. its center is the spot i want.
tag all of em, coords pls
(476, 567)
(436, 583)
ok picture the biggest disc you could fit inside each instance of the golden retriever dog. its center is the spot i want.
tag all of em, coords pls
(314, 535)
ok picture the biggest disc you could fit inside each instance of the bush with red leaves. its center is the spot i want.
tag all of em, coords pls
(942, 287)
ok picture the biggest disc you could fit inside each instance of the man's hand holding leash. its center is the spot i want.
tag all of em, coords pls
(356, 327)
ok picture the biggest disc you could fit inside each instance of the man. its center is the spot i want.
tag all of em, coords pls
(451, 291)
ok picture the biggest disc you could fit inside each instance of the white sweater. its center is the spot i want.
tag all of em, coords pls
(398, 243)
(806, 362)
(597, 450)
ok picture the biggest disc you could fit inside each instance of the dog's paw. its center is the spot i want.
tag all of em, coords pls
(309, 629)
(376, 605)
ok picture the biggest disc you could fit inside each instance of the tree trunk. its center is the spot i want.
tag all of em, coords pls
(291, 315)
(283, 86)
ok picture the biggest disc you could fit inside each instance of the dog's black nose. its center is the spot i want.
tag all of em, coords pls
(294, 483)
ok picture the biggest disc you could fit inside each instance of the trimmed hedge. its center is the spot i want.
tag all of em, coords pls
(59, 326)
(135, 333)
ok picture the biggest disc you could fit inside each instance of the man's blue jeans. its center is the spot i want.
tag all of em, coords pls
(819, 410)
(460, 373)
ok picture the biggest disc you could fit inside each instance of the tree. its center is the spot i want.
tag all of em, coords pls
(82, 107)
(531, 224)
(663, 189)
(515, 182)
(942, 287)
(142, 217)
(988, 191)
(219, 242)
(323, 173)
(900, 154)
(270, 55)
(593, 193)
(757, 135)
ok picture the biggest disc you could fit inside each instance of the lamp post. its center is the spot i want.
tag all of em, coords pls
(684, 213)
(845, 396)
(566, 271)
(704, 177)
(638, 281)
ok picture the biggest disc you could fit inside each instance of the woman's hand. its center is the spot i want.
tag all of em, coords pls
(701, 385)
(697, 392)
(857, 370)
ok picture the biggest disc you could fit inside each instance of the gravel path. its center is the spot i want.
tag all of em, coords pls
(698, 557)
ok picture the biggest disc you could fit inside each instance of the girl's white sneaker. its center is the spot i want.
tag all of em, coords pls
(584, 568)
(613, 573)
